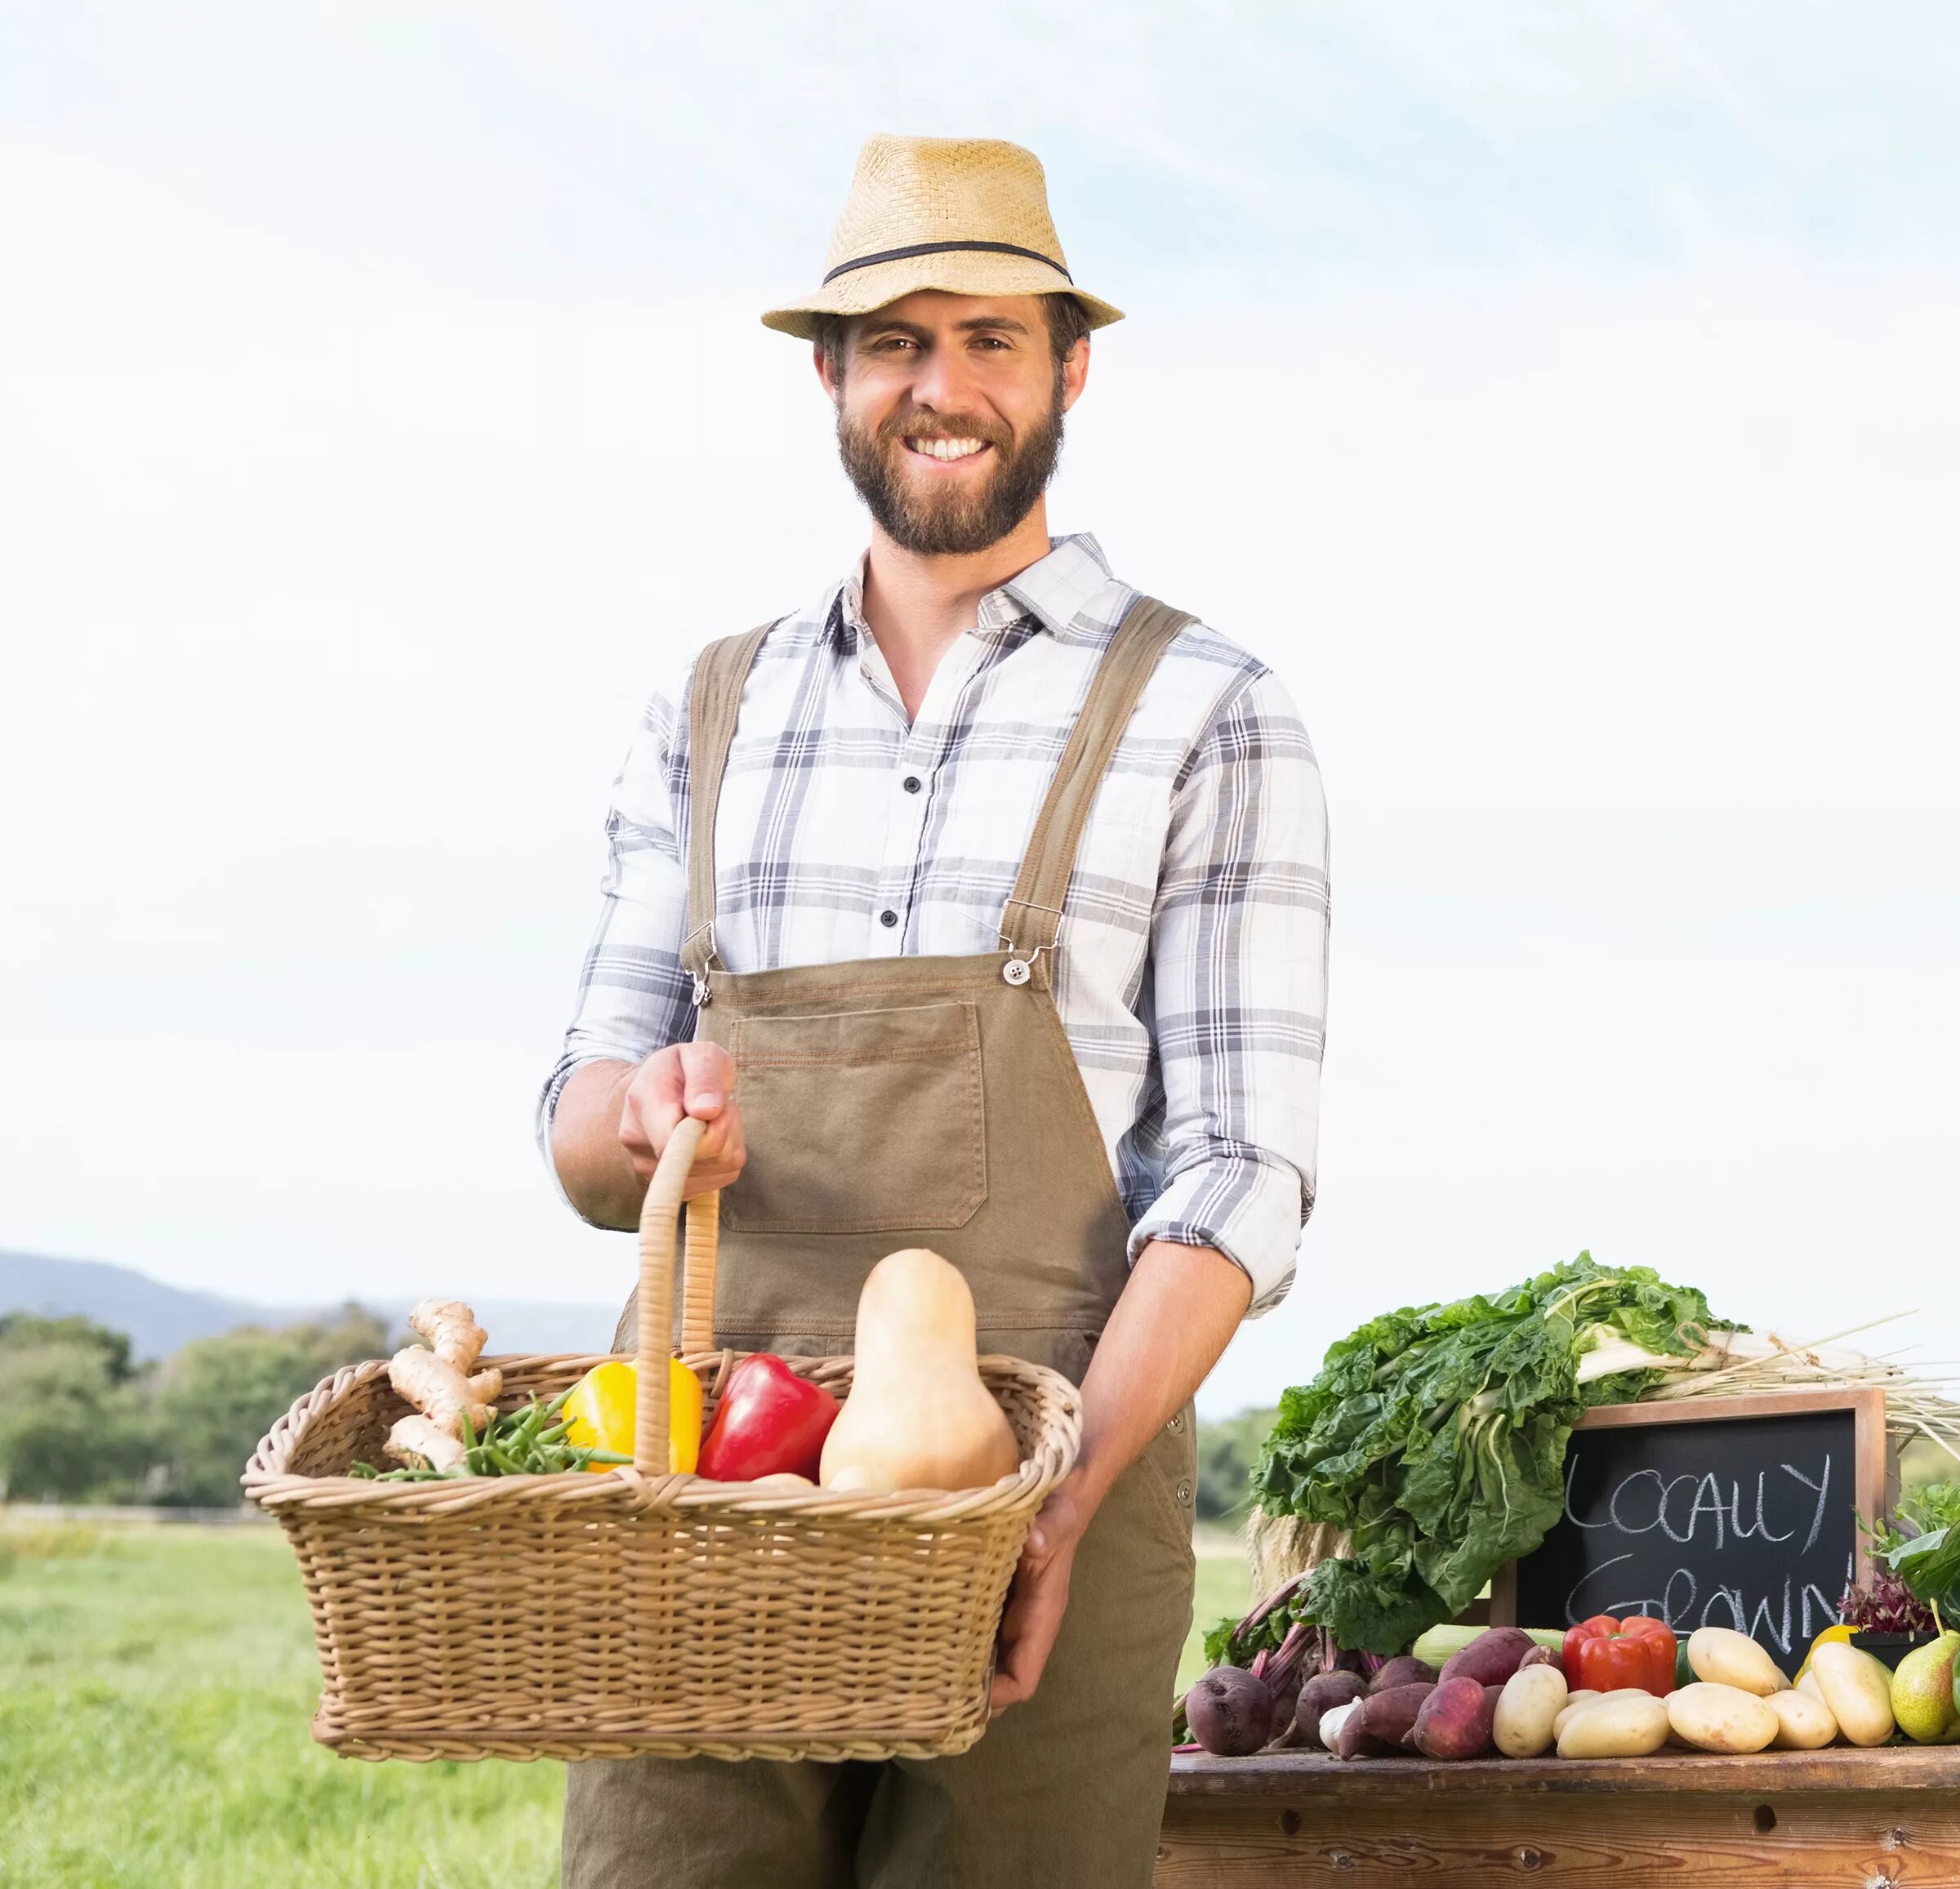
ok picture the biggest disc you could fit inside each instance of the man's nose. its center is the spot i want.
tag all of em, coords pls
(943, 383)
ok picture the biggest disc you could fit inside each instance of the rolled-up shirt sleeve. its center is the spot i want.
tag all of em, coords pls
(1238, 985)
(634, 994)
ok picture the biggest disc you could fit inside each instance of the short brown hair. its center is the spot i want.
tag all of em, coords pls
(1067, 323)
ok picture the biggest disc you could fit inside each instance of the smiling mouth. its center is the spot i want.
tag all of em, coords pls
(947, 450)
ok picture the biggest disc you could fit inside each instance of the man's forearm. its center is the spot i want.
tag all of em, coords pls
(593, 1167)
(1175, 1316)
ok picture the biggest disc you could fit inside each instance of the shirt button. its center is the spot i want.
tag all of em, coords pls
(912, 783)
(1184, 1494)
(1176, 1425)
(887, 918)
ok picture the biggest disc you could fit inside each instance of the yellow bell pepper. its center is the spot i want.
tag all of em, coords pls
(600, 1412)
(1840, 1632)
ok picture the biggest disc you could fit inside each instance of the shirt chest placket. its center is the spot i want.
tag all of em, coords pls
(907, 787)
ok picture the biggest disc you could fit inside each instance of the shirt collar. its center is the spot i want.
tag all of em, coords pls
(1053, 592)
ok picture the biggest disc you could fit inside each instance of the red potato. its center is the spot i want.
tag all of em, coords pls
(1454, 1721)
(1230, 1712)
(1319, 1695)
(1403, 1670)
(1543, 1656)
(1490, 1658)
(1355, 1739)
(1390, 1716)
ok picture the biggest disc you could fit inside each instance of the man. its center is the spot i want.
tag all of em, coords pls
(982, 907)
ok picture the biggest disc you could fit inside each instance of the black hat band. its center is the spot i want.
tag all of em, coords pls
(940, 249)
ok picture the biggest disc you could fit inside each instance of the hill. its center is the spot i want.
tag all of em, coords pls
(158, 1318)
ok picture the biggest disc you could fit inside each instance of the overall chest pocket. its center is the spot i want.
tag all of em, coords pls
(863, 1121)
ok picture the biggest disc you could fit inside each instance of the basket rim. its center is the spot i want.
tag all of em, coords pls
(270, 1485)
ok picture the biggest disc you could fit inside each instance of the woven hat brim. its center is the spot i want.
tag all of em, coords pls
(957, 271)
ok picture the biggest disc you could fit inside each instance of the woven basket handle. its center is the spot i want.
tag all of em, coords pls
(658, 1216)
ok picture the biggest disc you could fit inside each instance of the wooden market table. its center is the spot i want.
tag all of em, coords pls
(1817, 1819)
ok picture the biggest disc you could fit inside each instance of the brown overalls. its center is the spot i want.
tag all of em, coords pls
(930, 1101)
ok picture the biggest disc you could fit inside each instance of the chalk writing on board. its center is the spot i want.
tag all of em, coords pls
(1703, 1513)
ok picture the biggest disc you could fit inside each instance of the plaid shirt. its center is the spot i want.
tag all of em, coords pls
(1191, 973)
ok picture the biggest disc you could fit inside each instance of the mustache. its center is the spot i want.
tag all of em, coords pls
(924, 423)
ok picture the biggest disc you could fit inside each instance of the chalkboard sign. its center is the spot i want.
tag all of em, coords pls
(1733, 1512)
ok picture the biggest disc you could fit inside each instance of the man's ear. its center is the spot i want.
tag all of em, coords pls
(1075, 372)
(821, 362)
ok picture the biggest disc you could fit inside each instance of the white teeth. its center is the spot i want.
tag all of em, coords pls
(947, 449)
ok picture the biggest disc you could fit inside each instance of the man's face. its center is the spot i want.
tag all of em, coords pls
(949, 415)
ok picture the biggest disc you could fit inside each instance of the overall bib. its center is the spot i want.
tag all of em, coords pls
(930, 1101)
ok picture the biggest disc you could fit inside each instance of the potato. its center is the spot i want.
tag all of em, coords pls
(1857, 1689)
(1403, 1670)
(1490, 1658)
(1724, 1657)
(1454, 1720)
(1808, 1685)
(1574, 1701)
(1802, 1723)
(1624, 1724)
(1532, 1699)
(1230, 1712)
(1390, 1716)
(1543, 1656)
(1354, 1740)
(1318, 1697)
(1713, 1717)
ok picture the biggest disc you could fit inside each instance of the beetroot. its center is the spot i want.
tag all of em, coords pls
(1230, 1712)
(1285, 1691)
(1454, 1721)
(1390, 1715)
(1403, 1670)
(1490, 1658)
(1320, 1694)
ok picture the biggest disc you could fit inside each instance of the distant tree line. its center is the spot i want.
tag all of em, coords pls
(1227, 1448)
(81, 1422)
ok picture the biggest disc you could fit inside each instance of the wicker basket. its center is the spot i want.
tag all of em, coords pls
(637, 1612)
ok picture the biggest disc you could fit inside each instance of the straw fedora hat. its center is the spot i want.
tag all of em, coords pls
(968, 215)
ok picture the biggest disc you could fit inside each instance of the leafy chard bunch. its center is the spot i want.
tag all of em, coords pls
(1436, 1437)
(1928, 1562)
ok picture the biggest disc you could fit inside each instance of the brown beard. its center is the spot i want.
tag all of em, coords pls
(951, 524)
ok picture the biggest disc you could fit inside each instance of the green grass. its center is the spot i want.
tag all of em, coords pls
(155, 1686)
(1224, 1587)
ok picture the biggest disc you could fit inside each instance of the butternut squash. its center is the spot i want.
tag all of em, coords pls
(918, 1416)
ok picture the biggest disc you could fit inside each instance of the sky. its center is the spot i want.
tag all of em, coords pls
(1563, 399)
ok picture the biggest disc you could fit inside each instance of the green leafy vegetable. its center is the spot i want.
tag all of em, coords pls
(1436, 1436)
(1928, 1562)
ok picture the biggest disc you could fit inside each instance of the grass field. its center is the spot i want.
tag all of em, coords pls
(155, 1686)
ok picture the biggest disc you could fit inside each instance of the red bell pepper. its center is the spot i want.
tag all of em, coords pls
(769, 1422)
(1603, 1655)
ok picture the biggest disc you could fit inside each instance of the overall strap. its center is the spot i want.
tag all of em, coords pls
(713, 702)
(1032, 920)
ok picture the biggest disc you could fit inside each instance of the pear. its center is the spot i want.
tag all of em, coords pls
(1922, 1692)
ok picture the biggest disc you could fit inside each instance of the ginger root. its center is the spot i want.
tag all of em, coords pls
(416, 1440)
(451, 1328)
(440, 1391)
(439, 1381)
